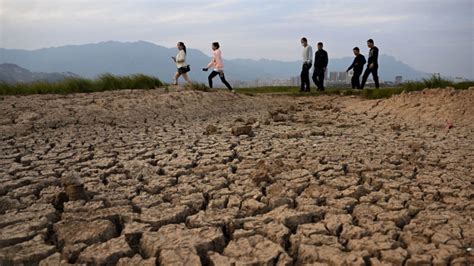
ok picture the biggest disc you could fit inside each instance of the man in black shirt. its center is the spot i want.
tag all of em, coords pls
(320, 65)
(372, 64)
(358, 66)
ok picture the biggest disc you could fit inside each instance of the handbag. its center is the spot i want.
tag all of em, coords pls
(184, 69)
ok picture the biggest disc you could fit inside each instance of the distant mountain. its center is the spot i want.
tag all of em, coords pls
(11, 73)
(124, 58)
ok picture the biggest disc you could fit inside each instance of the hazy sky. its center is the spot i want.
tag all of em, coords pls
(430, 35)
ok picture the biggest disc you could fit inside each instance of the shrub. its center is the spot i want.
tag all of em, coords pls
(199, 86)
(464, 85)
(436, 82)
(104, 82)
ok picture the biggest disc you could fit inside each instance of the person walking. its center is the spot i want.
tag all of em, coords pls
(358, 66)
(307, 61)
(182, 68)
(218, 65)
(372, 65)
(320, 64)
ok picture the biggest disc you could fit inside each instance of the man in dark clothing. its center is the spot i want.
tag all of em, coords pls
(358, 66)
(372, 64)
(320, 65)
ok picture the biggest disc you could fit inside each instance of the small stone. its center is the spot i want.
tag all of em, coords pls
(74, 186)
(210, 130)
(242, 130)
(279, 118)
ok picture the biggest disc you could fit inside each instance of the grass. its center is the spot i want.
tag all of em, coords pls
(386, 92)
(295, 91)
(199, 86)
(433, 82)
(109, 82)
(104, 82)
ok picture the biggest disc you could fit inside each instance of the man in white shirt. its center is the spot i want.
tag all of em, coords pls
(307, 62)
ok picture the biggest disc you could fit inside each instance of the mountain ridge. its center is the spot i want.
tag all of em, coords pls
(125, 58)
(12, 73)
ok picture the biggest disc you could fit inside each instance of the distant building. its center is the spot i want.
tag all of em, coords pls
(342, 76)
(332, 76)
(459, 79)
(295, 81)
(350, 74)
(398, 80)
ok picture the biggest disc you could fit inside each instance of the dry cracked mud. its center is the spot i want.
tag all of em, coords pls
(190, 178)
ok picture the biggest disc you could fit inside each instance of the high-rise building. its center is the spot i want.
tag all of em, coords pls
(295, 81)
(398, 80)
(333, 76)
(349, 76)
(342, 76)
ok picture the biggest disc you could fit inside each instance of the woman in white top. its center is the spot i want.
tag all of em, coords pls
(180, 60)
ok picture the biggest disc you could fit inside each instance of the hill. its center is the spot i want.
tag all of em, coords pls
(124, 58)
(11, 73)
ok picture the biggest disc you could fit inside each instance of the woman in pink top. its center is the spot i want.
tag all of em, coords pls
(218, 65)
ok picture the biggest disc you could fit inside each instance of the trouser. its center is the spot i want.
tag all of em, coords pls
(375, 75)
(221, 75)
(305, 84)
(318, 78)
(355, 80)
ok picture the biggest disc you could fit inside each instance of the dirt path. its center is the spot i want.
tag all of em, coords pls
(136, 177)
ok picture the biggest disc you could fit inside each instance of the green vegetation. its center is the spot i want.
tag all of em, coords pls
(294, 91)
(433, 82)
(104, 82)
(198, 86)
(109, 82)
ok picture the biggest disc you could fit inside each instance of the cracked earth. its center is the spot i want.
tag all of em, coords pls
(191, 178)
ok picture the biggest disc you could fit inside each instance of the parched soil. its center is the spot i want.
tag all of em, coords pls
(214, 178)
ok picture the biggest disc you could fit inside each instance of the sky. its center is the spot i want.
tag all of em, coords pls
(434, 36)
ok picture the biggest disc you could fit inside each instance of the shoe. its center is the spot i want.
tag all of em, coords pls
(233, 91)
